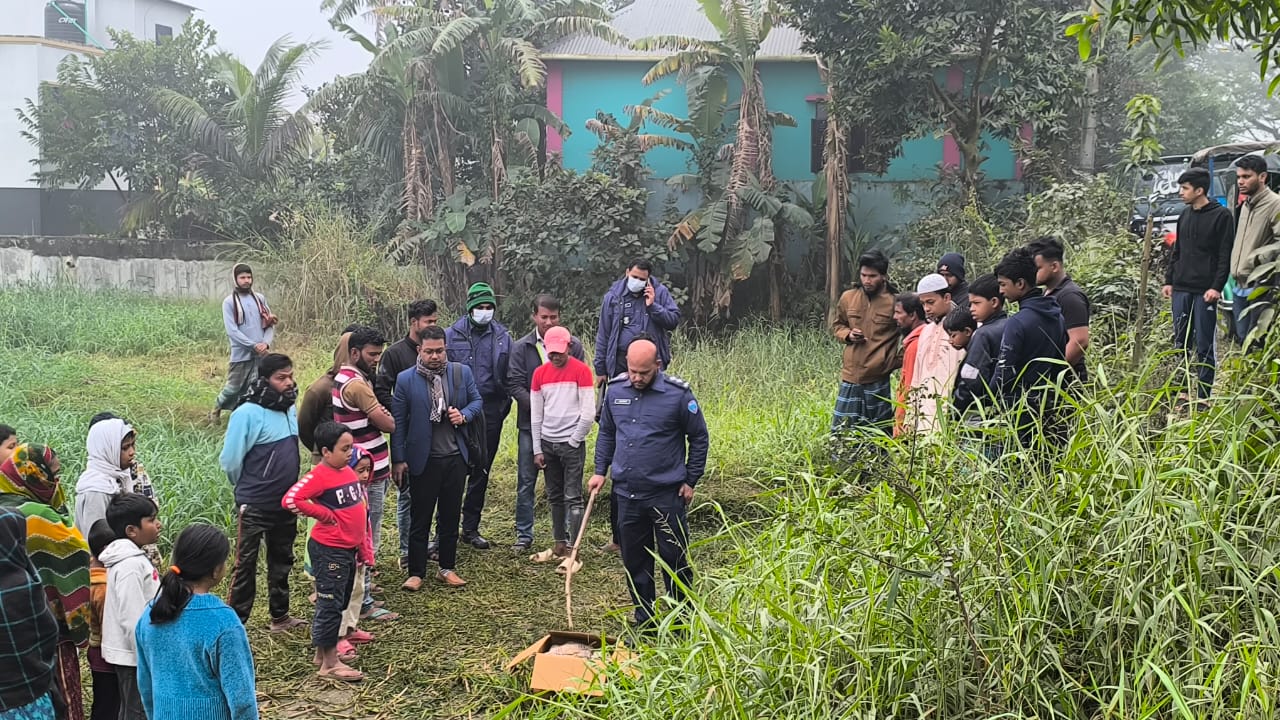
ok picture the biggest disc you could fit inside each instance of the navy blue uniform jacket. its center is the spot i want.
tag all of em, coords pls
(654, 439)
(411, 407)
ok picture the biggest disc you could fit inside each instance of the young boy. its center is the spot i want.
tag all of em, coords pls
(331, 494)
(959, 324)
(1033, 346)
(933, 376)
(562, 406)
(132, 581)
(8, 441)
(986, 307)
(106, 690)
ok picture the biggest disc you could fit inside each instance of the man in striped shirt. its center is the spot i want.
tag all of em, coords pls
(562, 408)
(356, 406)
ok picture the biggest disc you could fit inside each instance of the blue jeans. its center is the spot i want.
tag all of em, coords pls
(377, 501)
(526, 486)
(1245, 323)
(1195, 324)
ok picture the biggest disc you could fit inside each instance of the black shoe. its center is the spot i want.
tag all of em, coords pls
(475, 540)
(522, 546)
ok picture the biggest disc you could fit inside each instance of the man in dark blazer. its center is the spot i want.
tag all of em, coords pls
(432, 403)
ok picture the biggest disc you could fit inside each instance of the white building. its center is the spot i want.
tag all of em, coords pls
(35, 35)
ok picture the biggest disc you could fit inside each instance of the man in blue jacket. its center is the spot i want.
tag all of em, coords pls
(431, 403)
(654, 438)
(260, 457)
(483, 344)
(1033, 347)
(636, 306)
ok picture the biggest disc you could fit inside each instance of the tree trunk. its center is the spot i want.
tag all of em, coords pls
(1092, 87)
(776, 269)
(834, 165)
(1144, 277)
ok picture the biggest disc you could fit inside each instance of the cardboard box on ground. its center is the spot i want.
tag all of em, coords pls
(571, 662)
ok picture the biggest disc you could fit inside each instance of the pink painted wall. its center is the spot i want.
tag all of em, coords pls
(951, 151)
(555, 103)
(1028, 135)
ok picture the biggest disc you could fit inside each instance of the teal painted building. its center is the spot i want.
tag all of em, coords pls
(587, 75)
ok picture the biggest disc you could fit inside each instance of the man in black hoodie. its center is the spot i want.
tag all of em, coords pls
(1033, 347)
(1198, 271)
(977, 372)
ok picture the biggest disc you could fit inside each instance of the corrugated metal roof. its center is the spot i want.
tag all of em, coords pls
(647, 18)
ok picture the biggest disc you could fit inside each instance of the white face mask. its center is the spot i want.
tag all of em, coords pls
(482, 317)
(635, 285)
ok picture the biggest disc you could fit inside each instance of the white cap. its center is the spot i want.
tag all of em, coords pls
(931, 283)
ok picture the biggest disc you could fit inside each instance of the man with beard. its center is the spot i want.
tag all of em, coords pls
(401, 356)
(654, 438)
(864, 323)
(250, 326)
(1257, 226)
(260, 456)
(483, 344)
(527, 355)
(951, 267)
(356, 406)
(431, 402)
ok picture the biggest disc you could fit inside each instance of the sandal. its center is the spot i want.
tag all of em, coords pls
(283, 626)
(381, 615)
(342, 674)
(545, 556)
(563, 568)
(359, 637)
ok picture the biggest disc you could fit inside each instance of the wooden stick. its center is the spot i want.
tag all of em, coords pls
(573, 558)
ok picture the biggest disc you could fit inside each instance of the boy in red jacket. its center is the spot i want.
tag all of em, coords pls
(331, 494)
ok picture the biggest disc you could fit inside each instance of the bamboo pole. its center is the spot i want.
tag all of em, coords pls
(573, 558)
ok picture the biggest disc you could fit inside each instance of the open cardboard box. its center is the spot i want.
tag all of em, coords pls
(566, 673)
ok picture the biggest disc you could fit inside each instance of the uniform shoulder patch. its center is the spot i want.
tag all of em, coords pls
(693, 406)
(678, 382)
(618, 378)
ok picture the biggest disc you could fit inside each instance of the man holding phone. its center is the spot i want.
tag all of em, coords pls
(864, 323)
(637, 306)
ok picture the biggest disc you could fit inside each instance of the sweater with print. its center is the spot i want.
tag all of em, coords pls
(336, 500)
(562, 404)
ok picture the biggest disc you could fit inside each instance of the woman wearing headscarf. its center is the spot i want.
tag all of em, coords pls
(29, 654)
(108, 470)
(29, 484)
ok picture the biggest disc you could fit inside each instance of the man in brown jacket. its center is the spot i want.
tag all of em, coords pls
(864, 323)
(1258, 226)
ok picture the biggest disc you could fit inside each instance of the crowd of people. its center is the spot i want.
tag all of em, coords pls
(960, 352)
(83, 580)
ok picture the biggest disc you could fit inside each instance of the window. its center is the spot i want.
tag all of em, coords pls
(855, 140)
(61, 18)
(164, 34)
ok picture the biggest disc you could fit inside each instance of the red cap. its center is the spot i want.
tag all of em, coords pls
(556, 340)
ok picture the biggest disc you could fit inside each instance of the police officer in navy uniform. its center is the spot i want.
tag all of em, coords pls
(654, 437)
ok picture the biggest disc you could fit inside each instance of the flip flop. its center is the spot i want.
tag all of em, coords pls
(359, 637)
(286, 626)
(545, 556)
(381, 615)
(343, 674)
(563, 568)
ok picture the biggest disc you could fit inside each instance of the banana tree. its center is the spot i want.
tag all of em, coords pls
(721, 227)
(622, 149)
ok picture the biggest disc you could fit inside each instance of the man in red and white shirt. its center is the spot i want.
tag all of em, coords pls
(562, 404)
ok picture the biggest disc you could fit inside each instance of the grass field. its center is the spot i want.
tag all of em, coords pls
(159, 363)
(1132, 573)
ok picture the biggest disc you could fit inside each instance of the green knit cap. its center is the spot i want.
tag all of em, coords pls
(479, 294)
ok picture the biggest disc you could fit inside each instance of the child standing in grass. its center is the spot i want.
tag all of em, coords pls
(132, 582)
(106, 691)
(193, 654)
(331, 493)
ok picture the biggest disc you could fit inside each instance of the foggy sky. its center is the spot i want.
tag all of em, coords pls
(248, 27)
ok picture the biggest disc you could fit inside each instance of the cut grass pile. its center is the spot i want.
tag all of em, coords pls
(160, 364)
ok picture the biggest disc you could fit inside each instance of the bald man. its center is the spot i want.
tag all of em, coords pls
(654, 439)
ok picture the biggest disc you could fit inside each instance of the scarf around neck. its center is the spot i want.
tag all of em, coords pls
(435, 380)
(238, 311)
(102, 471)
(261, 393)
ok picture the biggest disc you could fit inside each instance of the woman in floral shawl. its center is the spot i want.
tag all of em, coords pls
(29, 483)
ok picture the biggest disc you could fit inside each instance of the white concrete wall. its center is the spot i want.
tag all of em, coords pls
(195, 279)
(21, 65)
(23, 17)
(149, 13)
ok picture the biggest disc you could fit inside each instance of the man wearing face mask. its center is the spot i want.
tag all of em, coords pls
(636, 305)
(483, 344)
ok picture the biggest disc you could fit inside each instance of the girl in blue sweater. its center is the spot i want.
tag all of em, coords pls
(193, 653)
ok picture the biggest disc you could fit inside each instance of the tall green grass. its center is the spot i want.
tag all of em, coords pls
(1133, 576)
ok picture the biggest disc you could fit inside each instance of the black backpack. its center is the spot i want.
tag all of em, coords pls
(473, 432)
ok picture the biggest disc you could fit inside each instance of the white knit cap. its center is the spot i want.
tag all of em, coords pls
(931, 283)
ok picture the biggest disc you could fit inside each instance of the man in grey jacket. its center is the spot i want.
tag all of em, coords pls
(527, 354)
(1257, 226)
(251, 328)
